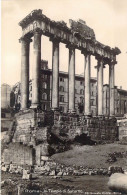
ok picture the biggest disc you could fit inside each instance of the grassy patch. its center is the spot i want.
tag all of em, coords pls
(92, 156)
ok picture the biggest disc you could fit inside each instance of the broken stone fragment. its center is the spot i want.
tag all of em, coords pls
(52, 173)
(59, 173)
(118, 182)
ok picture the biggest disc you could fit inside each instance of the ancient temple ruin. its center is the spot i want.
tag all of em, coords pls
(31, 132)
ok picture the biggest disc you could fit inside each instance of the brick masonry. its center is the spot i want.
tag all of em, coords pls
(29, 138)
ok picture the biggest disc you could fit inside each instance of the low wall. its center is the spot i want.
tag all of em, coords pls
(122, 126)
(96, 128)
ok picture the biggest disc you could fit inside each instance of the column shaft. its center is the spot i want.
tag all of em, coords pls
(55, 74)
(24, 72)
(100, 86)
(36, 69)
(71, 80)
(87, 91)
(111, 90)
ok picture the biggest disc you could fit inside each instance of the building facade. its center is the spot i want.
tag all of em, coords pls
(5, 95)
(46, 91)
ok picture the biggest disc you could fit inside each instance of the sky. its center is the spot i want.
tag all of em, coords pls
(108, 19)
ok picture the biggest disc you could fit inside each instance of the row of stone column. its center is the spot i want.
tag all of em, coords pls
(55, 77)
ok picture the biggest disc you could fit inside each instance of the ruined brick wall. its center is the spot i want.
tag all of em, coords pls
(27, 141)
(18, 154)
(96, 128)
(122, 126)
(102, 129)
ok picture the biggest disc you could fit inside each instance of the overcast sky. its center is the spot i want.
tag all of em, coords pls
(108, 18)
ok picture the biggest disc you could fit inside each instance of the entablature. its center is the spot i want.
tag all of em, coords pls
(79, 34)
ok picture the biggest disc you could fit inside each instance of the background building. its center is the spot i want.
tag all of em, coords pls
(46, 89)
(5, 95)
(6, 110)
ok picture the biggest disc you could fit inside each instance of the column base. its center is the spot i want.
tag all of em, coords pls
(72, 111)
(88, 115)
(111, 116)
(34, 106)
(55, 109)
(101, 116)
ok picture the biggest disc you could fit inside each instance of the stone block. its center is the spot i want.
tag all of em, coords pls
(52, 173)
(118, 183)
(26, 174)
(60, 173)
(45, 158)
(42, 163)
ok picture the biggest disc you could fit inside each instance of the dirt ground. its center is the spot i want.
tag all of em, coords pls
(89, 156)
(63, 185)
(93, 156)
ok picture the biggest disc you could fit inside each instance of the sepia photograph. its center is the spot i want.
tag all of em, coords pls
(63, 97)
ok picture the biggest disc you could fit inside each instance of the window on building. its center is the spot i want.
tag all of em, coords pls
(92, 102)
(44, 85)
(42, 76)
(61, 79)
(44, 106)
(44, 96)
(62, 108)
(61, 98)
(81, 91)
(3, 115)
(117, 110)
(61, 88)
(75, 99)
(92, 93)
(45, 76)
(81, 100)
(81, 82)
(31, 88)
(125, 104)
(75, 90)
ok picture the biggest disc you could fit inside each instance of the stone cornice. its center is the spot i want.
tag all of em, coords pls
(79, 34)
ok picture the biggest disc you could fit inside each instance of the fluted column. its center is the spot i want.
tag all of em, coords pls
(55, 74)
(87, 91)
(71, 79)
(36, 68)
(111, 89)
(100, 86)
(25, 44)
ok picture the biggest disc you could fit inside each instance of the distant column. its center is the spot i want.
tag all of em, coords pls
(36, 68)
(111, 89)
(71, 79)
(100, 86)
(55, 74)
(87, 91)
(25, 44)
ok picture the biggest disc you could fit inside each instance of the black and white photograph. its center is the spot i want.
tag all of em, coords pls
(63, 97)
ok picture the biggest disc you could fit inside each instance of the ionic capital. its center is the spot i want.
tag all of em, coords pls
(112, 63)
(55, 39)
(37, 31)
(25, 39)
(70, 46)
(99, 58)
(86, 53)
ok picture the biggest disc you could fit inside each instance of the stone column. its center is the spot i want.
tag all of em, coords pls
(71, 79)
(55, 74)
(100, 86)
(25, 44)
(87, 91)
(36, 68)
(111, 89)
